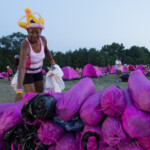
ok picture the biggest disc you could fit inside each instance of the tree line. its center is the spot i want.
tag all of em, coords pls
(10, 46)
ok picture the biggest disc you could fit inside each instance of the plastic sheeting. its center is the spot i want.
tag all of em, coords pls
(39, 107)
(74, 125)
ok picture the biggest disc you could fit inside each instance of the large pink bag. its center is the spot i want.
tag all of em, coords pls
(135, 121)
(90, 111)
(113, 132)
(5, 106)
(139, 88)
(67, 142)
(72, 100)
(133, 145)
(113, 101)
(144, 142)
(10, 118)
(49, 132)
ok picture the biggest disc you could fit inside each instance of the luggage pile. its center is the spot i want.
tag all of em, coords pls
(80, 119)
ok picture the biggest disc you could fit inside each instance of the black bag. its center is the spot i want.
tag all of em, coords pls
(85, 139)
(39, 107)
(74, 125)
(124, 77)
(31, 142)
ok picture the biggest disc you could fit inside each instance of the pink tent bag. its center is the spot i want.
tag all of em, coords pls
(72, 100)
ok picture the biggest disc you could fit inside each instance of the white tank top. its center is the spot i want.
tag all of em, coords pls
(35, 59)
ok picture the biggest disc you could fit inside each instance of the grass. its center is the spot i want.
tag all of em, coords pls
(7, 94)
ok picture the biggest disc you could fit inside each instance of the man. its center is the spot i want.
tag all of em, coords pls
(118, 67)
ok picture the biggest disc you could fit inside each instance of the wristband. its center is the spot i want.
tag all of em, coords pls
(19, 92)
(52, 61)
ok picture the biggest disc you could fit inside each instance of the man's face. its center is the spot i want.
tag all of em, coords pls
(34, 34)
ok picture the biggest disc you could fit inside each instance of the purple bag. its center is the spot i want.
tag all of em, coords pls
(68, 107)
(49, 132)
(135, 121)
(52, 148)
(2, 145)
(10, 118)
(113, 132)
(113, 101)
(5, 106)
(111, 148)
(144, 142)
(90, 111)
(91, 138)
(139, 88)
(67, 142)
(133, 145)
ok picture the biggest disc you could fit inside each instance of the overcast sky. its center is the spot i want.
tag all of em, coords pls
(74, 24)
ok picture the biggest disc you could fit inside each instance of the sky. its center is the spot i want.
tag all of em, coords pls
(74, 24)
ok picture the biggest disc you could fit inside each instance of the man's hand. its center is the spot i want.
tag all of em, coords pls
(18, 97)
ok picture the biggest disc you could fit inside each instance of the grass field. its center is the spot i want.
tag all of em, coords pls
(7, 94)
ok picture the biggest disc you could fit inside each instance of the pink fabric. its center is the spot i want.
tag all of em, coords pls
(90, 111)
(135, 122)
(104, 70)
(67, 142)
(43, 71)
(49, 132)
(139, 88)
(9, 70)
(113, 101)
(124, 70)
(69, 73)
(74, 98)
(112, 70)
(99, 72)
(133, 145)
(89, 71)
(113, 132)
(131, 67)
(144, 142)
(1, 76)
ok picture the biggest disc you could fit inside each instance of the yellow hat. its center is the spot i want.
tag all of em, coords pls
(39, 23)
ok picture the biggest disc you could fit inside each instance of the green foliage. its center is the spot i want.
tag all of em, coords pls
(10, 46)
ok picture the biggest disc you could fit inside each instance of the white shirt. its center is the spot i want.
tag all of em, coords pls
(118, 64)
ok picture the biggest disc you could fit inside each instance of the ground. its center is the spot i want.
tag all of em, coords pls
(7, 94)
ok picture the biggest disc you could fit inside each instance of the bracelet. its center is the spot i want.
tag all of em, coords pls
(19, 92)
(52, 61)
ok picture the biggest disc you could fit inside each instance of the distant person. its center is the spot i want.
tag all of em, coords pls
(108, 68)
(9, 73)
(118, 67)
(16, 63)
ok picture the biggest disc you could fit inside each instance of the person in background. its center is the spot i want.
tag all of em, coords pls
(33, 51)
(118, 67)
(16, 63)
(9, 73)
